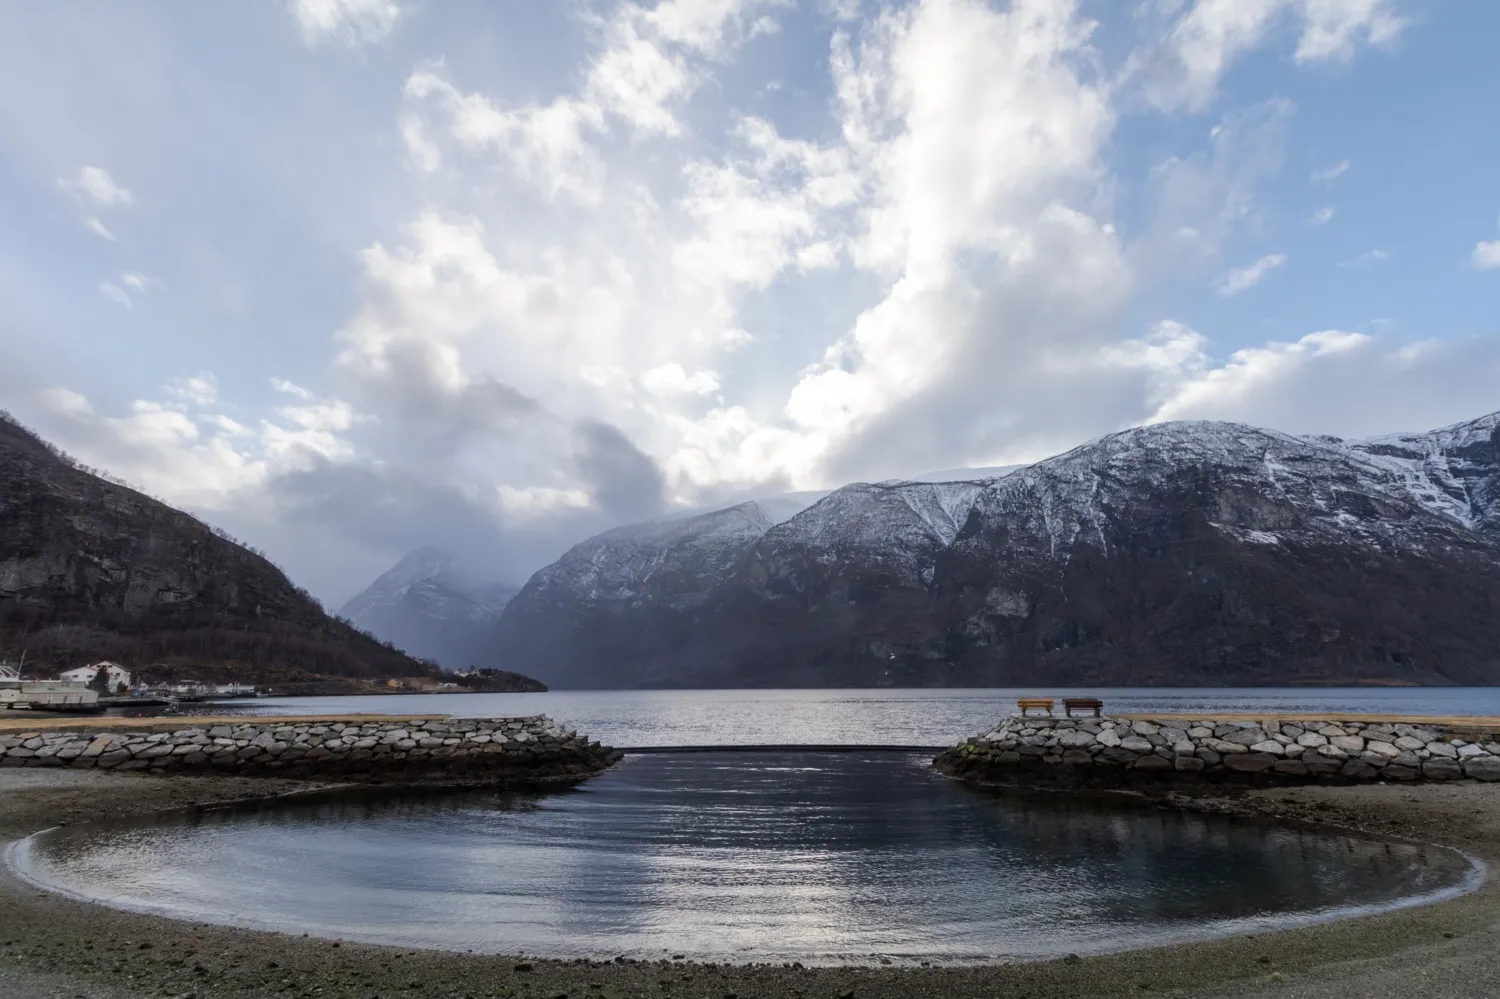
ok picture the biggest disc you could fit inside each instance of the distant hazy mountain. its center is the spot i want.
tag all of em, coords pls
(428, 606)
(1187, 553)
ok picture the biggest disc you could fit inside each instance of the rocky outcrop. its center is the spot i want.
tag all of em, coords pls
(1109, 751)
(91, 569)
(375, 751)
(426, 605)
(1184, 553)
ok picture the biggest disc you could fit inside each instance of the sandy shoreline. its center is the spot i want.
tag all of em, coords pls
(50, 945)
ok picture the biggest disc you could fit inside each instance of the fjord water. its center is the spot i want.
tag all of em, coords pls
(861, 717)
(818, 857)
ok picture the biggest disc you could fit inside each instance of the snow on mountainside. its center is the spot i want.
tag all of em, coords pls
(431, 574)
(1452, 471)
(627, 562)
(899, 524)
(1267, 485)
(428, 606)
(977, 474)
(1178, 552)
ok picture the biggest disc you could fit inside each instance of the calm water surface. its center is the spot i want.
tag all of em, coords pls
(858, 717)
(738, 856)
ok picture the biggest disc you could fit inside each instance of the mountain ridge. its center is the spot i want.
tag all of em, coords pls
(1099, 564)
(430, 607)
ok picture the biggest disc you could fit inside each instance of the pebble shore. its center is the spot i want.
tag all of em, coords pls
(51, 945)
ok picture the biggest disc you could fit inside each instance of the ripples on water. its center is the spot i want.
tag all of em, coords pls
(858, 717)
(749, 856)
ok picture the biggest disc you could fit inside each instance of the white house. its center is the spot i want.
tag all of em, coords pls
(85, 674)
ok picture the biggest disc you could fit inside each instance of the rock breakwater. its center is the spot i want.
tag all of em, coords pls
(1124, 751)
(386, 750)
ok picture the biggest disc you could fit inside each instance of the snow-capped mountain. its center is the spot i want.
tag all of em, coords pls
(1451, 471)
(428, 606)
(1188, 552)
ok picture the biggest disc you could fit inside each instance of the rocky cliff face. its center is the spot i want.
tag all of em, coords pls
(429, 607)
(90, 569)
(1184, 553)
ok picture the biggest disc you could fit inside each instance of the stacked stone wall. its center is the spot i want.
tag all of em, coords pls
(399, 750)
(1110, 750)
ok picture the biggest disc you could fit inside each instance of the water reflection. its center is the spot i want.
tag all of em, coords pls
(764, 856)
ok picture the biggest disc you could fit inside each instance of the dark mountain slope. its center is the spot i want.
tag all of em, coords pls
(1187, 553)
(618, 609)
(90, 569)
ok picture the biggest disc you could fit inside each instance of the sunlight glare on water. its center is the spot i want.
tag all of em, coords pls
(859, 717)
(737, 856)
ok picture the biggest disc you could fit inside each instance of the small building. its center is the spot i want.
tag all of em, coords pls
(48, 695)
(85, 674)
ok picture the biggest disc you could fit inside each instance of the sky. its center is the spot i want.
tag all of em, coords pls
(348, 277)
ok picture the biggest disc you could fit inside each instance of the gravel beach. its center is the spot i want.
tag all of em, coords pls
(55, 946)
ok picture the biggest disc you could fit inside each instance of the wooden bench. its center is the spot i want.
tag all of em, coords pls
(1083, 704)
(1039, 703)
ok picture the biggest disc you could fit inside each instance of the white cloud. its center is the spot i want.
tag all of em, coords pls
(288, 388)
(66, 402)
(1322, 216)
(732, 338)
(1365, 259)
(201, 389)
(1335, 382)
(1323, 175)
(1333, 29)
(653, 286)
(425, 155)
(326, 416)
(200, 459)
(671, 379)
(652, 60)
(352, 22)
(1199, 46)
(94, 189)
(116, 294)
(1203, 388)
(962, 190)
(1486, 255)
(126, 288)
(1244, 278)
(94, 186)
(545, 145)
(535, 501)
(843, 10)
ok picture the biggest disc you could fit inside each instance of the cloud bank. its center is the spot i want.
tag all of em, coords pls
(667, 283)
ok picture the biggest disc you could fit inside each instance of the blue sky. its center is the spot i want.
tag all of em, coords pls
(351, 276)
